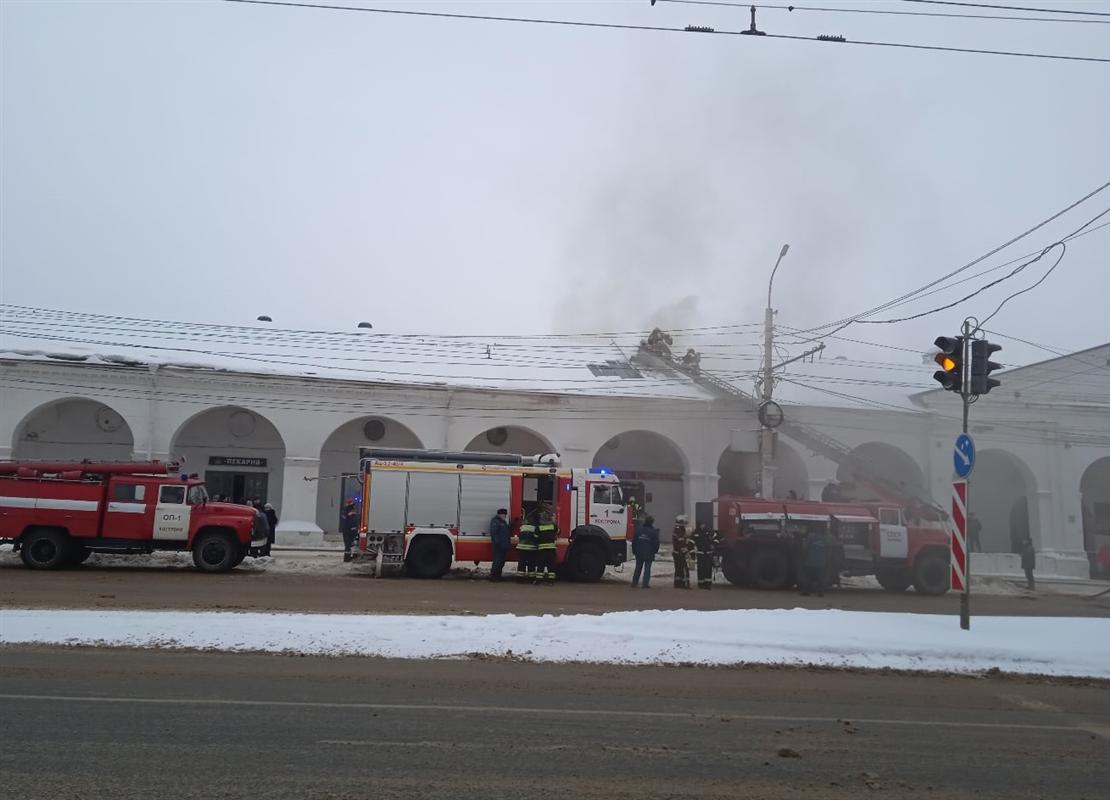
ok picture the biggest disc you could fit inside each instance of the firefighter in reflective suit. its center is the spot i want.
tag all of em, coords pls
(705, 543)
(546, 535)
(526, 548)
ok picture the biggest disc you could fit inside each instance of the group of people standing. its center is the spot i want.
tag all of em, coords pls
(535, 546)
(690, 549)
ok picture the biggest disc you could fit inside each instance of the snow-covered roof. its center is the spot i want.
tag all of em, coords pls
(581, 368)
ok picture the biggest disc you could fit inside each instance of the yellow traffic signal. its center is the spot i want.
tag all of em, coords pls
(951, 362)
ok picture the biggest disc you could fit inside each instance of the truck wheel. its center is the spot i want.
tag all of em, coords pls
(893, 579)
(586, 562)
(931, 573)
(429, 557)
(215, 552)
(734, 572)
(770, 569)
(45, 549)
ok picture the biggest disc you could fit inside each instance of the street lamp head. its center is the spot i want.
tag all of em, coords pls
(782, 252)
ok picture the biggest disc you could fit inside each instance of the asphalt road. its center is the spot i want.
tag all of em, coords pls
(157, 587)
(140, 724)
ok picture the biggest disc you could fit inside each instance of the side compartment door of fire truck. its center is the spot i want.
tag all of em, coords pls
(130, 513)
(171, 514)
(480, 495)
(605, 508)
(894, 540)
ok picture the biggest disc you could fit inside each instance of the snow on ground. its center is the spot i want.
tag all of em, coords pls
(1051, 646)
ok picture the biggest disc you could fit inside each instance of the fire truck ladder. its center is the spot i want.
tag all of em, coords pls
(806, 435)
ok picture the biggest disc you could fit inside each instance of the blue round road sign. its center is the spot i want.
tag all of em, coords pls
(963, 457)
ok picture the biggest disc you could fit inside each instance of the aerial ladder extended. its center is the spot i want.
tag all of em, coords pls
(657, 347)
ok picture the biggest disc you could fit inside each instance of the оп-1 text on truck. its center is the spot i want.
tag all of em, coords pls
(57, 514)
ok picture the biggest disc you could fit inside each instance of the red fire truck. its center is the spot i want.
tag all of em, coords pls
(423, 509)
(761, 541)
(57, 514)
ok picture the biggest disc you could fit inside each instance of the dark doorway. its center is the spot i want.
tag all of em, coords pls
(237, 487)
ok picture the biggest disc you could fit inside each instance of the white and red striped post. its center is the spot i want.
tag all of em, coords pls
(961, 577)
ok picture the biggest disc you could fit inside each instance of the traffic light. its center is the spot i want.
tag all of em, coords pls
(951, 361)
(982, 366)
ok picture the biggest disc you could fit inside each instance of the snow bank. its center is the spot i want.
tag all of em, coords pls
(1051, 646)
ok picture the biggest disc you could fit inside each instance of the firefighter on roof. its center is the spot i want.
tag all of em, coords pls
(526, 548)
(546, 535)
(705, 543)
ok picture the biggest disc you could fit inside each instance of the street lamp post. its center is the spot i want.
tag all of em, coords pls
(766, 441)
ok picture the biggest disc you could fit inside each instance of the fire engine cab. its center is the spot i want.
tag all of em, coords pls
(57, 514)
(762, 541)
(423, 509)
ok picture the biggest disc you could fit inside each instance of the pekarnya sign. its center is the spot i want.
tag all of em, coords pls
(236, 461)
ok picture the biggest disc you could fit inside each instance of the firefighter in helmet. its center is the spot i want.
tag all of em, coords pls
(526, 548)
(705, 541)
(680, 545)
(546, 535)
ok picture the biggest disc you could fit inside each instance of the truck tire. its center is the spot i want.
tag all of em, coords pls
(770, 569)
(931, 573)
(893, 579)
(215, 551)
(586, 562)
(734, 571)
(45, 548)
(428, 557)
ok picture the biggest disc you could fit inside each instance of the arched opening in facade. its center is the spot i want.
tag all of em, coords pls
(738, 473)
(652, 469)
(891, 462)
(1094, 488)
(339, 462)
(239, 454)
(510, 439)
(73, 429)
(1003, 496)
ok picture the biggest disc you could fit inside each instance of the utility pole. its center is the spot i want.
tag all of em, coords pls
(766, 439)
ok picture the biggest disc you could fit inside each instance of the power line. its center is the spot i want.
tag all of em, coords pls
(846, 321)
(665, 29)
(886, 12)
(1010, 8)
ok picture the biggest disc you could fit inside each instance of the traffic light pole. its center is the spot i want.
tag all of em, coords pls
(969, 328)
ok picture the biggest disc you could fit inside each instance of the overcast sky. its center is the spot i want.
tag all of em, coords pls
(210, 161)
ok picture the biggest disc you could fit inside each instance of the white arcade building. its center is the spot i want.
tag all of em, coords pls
(288, 431)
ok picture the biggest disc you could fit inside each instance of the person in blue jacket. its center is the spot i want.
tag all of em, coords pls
(812, 574)
(500, 536)
(645, 544)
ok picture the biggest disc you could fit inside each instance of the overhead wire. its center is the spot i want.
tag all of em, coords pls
(844, 322)
(884, 12)
(1009, 8)
(701, 31)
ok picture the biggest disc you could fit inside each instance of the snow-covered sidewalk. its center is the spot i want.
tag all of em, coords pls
(1051, 646)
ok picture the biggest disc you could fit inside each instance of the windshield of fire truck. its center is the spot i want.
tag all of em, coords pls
(197, 495)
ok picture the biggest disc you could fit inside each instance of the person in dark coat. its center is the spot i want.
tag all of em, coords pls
(501, 538)
(811, 577)
(645, 544)
(1029, 562)
(350, 528)
(974, 531)
(272, 519)
(680, 545)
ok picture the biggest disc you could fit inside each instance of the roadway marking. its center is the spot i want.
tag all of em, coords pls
(520, 711)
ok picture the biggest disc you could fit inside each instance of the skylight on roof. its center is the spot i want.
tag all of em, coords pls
(615, 369)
